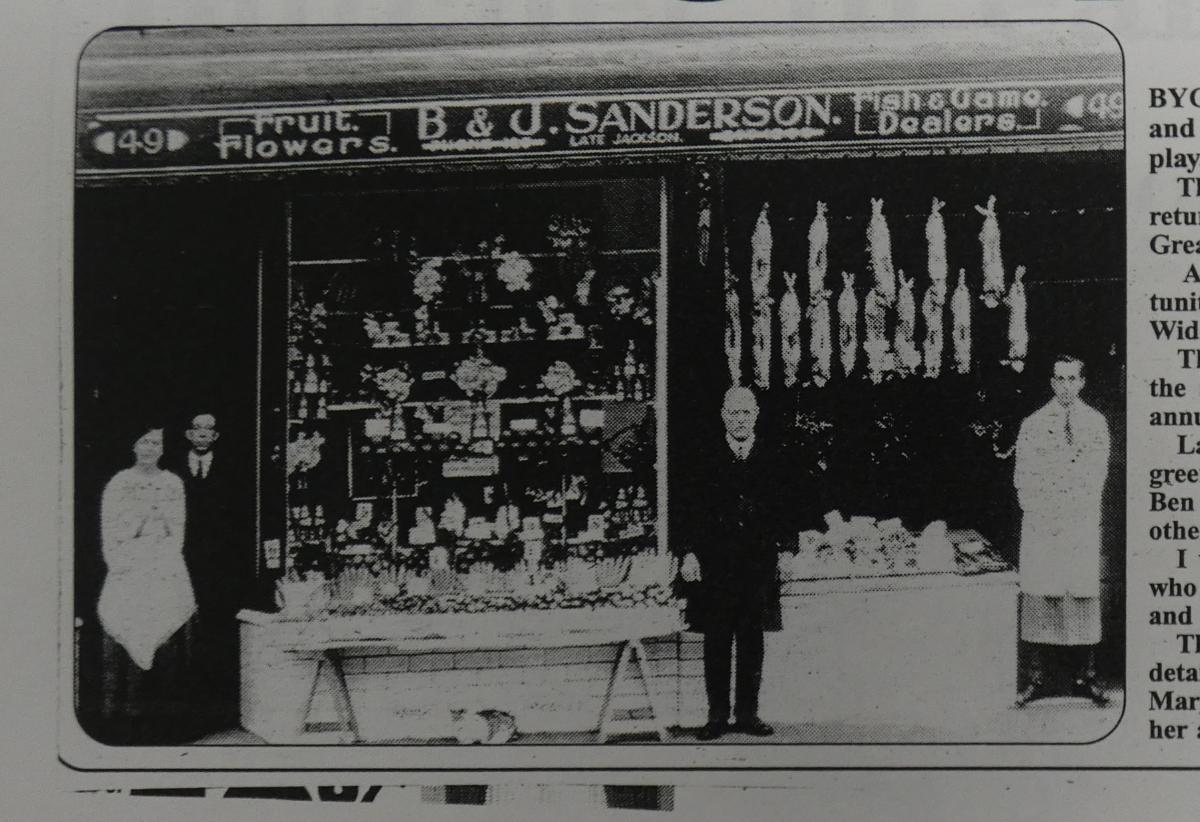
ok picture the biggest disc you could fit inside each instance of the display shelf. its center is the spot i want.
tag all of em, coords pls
(535, 255)
(453, 344)
(572, 542)
(354, 407)
(464, 450)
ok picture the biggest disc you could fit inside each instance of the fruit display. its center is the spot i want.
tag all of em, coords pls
(362, 580)
(557, 598)
(864, 546)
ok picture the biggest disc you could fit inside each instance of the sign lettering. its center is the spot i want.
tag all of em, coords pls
(407, 132)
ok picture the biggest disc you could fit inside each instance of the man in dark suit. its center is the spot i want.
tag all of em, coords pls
(731, 569)
(210, 547)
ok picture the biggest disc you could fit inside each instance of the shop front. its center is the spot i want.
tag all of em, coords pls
(464, 302)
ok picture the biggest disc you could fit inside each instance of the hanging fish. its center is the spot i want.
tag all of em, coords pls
(847, 308)
(933, 306)
(960, 321)
(905, 341)
(821, 347)
(760, 257)
(993, 264)
(790, 345)
(875, 340)
(879, 246)
(733, 325)
(818, 260)
(1018, 329)
(935, 237)
(703, 233)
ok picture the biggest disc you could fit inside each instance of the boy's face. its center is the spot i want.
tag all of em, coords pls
(203, 433)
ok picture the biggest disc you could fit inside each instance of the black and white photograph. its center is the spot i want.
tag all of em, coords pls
(660, 386)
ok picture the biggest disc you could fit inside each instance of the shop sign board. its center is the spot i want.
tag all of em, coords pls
(426, 131)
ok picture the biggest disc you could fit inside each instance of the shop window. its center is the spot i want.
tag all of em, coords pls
(472, 390)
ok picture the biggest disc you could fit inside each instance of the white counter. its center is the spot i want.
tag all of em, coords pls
(929, 650)
(405, 673)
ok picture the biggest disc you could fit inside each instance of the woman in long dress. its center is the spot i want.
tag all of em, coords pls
(146, 602)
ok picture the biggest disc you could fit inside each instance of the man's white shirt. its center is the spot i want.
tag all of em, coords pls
(200, 464)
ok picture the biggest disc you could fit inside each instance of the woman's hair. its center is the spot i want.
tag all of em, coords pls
(140, 428)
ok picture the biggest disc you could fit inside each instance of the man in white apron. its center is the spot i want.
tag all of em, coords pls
(1061, 466)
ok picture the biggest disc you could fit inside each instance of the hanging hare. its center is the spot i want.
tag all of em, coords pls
(760, 256)
(847, 308)
(879, 247)
(993, 264)
(1018, 328)
(933, 307)
(818, 252)
(761, 343)
(790, 346)
(760, 281)
(875, 340)
(960, 316)
(905, 340)
(821, 347)
(733, 325)
(935, 237)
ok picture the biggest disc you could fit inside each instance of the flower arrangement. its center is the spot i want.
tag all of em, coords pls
(513, 270)
(477, 376)
(560, 379)
(392, 384)
(429, 281)
(304, 452)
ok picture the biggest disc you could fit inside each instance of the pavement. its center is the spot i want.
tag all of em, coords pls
(1055, 720)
